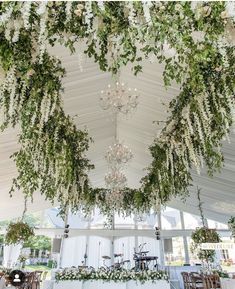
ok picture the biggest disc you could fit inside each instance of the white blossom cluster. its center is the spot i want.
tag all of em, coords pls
(42, 37)
(88, 15)
(132, 15)
(25, 10)
(9, 86)
(146, 7)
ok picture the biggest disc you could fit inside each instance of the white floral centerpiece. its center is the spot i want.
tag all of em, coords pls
(118, 275)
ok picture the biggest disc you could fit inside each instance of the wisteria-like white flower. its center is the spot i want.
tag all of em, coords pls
(101, 5)
(42, 8)
(146, 8)
(25, 11)
(68, 10)
(5, 17)
(88, 15)
(131, 15)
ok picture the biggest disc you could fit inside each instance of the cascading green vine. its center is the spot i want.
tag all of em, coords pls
(191, 39)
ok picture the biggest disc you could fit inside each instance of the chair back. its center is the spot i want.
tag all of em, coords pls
(186, 280)
(196, 280)
(211, 281)
(44, 275)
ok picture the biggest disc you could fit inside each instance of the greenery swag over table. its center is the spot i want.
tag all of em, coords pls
(52, 155)
(118, 275)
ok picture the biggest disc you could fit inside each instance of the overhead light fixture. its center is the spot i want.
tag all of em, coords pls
(118, 154)
(119, 98)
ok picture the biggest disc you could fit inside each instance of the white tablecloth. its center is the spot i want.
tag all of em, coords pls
(160, 284)
(227, 283)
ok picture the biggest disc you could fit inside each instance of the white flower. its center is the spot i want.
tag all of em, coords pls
(206, 11)
(30, 72)
(101, 5)
(25, 10)
(178, 7)
(224, 14)
(79, 10)
(146, 8)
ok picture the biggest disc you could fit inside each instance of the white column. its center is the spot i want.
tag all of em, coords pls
(161, 244)
(62, 240)
(186, 251)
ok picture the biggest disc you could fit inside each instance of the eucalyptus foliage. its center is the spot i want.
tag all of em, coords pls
(52, 156)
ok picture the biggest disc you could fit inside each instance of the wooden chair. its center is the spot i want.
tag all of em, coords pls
(196, 280)
(186, 280)
(211, 281)
(28, 284)
(44, 276)
(37, 279)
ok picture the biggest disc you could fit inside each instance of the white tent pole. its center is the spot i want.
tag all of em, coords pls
(62, 239)
(186, 251)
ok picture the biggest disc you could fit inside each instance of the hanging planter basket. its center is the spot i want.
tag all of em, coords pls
(18, 232)
(204, 235)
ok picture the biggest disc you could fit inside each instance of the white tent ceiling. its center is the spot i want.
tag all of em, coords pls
(81, 100)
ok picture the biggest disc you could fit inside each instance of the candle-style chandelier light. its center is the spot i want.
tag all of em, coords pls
(115, 180)
(118, 155)
(119, 98)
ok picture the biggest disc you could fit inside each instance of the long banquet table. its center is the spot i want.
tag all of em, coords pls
(97, 284)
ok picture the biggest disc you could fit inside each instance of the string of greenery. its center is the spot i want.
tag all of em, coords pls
(52, 155)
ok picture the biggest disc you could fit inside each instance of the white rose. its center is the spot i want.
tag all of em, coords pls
(206, 10)
(79, 10)
(224, 14)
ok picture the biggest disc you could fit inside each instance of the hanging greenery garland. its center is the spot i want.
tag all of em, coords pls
(52, 157)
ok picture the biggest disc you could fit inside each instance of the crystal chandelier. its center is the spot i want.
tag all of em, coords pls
(118, 154)
(119, 98)
(115, 180)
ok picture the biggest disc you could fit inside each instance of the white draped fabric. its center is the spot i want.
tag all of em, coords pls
(11, 254)
(75, 248)
(160, 284)
(95, 247)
